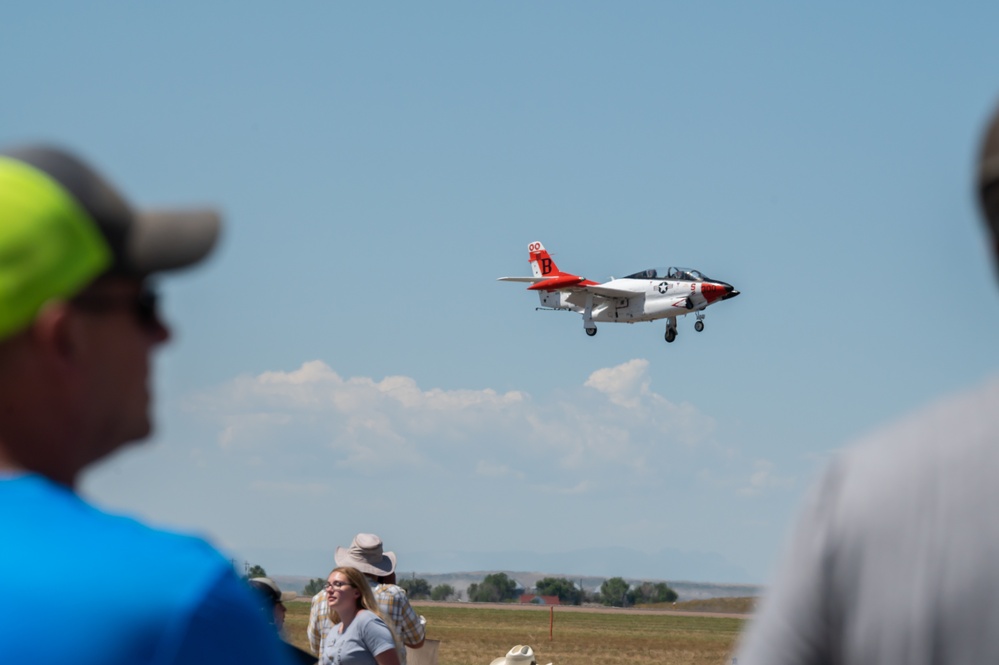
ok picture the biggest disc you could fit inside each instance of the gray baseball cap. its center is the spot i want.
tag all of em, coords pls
(141, 241)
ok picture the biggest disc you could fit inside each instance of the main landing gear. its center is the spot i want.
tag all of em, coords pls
(671, 326)
(670, 329)
(588, 325)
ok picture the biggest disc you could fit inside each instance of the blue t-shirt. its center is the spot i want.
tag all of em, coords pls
(365, 637)
(80, 586)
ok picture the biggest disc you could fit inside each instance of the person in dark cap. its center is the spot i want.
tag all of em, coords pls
(272, 605)
(893, 558)
(78, 322)
(367, 554)
(271, 592)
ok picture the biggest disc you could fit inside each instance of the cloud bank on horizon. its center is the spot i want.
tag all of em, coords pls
(614, 423)
(610, 460)
(334, 456)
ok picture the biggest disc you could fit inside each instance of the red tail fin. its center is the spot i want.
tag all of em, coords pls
(542, 264)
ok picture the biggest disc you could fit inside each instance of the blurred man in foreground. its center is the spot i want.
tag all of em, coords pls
(894, 558)
(78, 321)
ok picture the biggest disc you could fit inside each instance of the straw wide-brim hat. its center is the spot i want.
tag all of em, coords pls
(367, 554)
(519, 655)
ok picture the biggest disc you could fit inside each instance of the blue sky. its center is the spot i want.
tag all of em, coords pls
(347, 361)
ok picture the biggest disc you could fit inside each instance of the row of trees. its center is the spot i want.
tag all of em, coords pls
(498, 588)
(495, 588)
(618, 593)
(615, 592)
(416, 588)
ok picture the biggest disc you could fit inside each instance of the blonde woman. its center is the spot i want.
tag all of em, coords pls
(360, 635)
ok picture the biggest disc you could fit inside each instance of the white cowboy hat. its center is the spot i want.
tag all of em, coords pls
(365, 553)
(519, 655)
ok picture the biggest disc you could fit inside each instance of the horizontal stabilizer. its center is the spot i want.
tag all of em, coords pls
(558, 283)
(531, 280)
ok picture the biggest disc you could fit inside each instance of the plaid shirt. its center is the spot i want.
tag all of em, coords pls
(394, 604)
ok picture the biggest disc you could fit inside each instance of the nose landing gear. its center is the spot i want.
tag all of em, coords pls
(699, 326)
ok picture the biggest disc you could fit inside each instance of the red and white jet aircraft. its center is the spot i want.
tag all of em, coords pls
(656, 293)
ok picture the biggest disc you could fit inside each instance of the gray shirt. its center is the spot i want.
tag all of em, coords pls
(359, 643)
(895, 557)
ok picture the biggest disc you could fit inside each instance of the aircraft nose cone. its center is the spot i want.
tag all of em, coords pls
(714, 291)
(730, 292)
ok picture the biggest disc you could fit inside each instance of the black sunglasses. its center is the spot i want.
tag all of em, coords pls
(143, 305)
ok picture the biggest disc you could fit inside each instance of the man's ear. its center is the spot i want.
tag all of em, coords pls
(58, 333)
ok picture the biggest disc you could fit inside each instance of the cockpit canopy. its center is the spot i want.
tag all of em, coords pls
(669, 273)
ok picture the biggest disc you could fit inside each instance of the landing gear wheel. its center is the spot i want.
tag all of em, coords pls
(670, 334)
(699, 326)
(590, 331)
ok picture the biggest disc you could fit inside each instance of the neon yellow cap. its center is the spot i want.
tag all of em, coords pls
(49, 246)
(62, 225)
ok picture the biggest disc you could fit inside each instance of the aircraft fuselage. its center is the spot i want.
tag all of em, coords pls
(653, 299)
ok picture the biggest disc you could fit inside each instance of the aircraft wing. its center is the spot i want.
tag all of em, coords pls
(600, 290)
(600, 294)
(572, 283)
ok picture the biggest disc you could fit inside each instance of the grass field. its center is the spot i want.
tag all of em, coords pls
(475, 635)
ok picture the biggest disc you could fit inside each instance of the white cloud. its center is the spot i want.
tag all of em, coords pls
(628, 386)
(308, 447)
(614, 421)
(625, 385)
